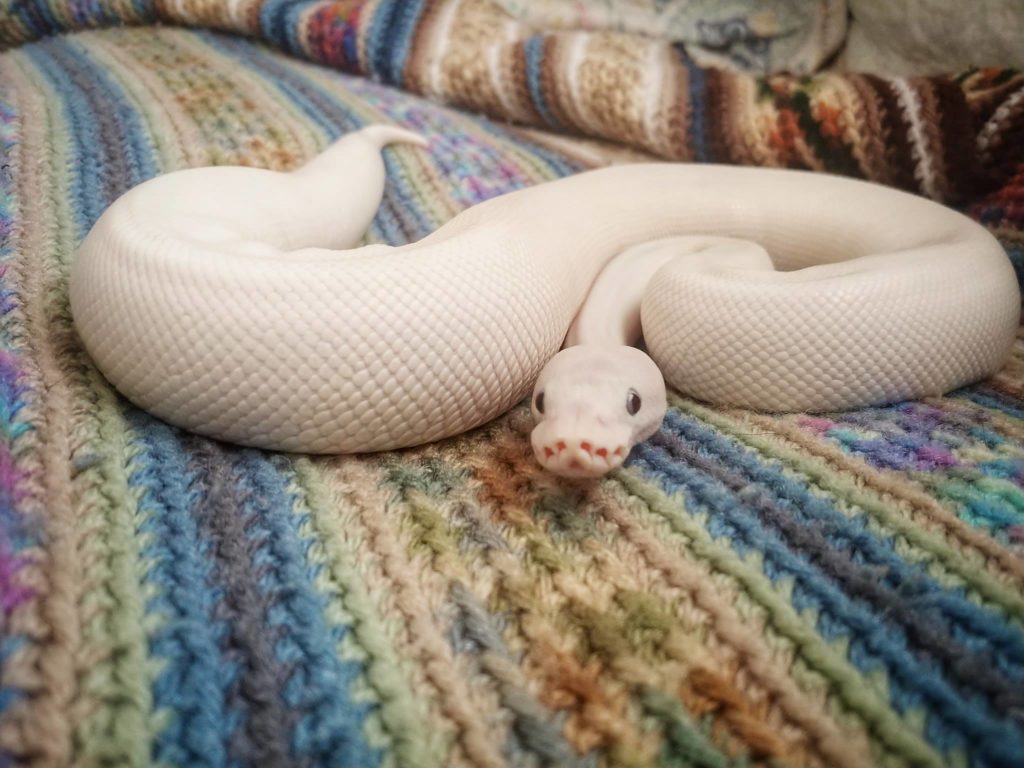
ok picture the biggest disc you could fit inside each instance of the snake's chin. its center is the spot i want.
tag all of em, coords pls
(592, 403)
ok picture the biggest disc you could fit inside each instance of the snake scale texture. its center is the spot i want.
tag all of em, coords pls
(233, 302)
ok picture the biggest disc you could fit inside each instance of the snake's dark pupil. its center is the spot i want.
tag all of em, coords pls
(539, 402)
(633, 402)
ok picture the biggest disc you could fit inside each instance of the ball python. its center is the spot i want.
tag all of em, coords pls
(233, 302)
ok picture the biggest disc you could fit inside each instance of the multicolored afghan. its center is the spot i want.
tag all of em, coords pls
(750, 590)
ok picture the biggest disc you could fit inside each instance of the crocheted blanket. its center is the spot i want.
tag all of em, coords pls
(845, 590)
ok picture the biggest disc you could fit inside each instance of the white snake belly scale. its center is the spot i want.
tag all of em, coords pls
(232, 301)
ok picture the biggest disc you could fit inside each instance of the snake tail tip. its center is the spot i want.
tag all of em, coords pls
(393, 134)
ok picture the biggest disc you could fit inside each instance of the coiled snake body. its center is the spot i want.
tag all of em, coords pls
(231, 302)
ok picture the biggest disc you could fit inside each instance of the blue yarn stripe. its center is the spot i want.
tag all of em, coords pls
(17, 530)
(86, 144)
(94, 185)
(96, 13)
(696, 100)
(135, 147)
(403, 25)
(94, 152)
(36, 16)
(987, 628)
(952, 721)
(142, 156)
(330, 730)
(991, 399)
(390, 38)
(279, 22)
(194, 678)
(534, 51)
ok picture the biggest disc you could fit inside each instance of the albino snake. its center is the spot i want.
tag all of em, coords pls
(231, 302)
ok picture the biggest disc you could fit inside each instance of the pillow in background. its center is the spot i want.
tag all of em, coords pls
(932, 37)
(756, 36)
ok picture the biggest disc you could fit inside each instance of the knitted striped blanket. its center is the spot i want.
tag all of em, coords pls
(749, 590)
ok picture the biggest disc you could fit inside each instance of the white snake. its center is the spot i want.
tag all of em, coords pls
(232, 302)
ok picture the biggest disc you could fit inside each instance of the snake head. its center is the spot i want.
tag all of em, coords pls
(592, 404)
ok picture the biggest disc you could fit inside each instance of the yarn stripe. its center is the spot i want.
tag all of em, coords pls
(696, 129)
(802, 706)
(799, 528)
(191, 690)
(110, 661)
(741, 472)
(16, 533)
(885, 723)
(435, 498)
(945, 524)
(317, 685)
(534, 729)
(838, 616)
(135, 148)
(46, 730)
(557, 561)
(36, 726)
(392, 33)
(911, 105)
(363, 599)
(22, 552)
(412, 598)
(226, 521)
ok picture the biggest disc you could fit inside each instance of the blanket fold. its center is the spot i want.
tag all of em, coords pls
(948, 137)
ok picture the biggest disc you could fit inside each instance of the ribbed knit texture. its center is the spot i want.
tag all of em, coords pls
(779, 590)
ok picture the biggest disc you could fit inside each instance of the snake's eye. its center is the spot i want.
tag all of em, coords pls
(538, 402)
(633, 402)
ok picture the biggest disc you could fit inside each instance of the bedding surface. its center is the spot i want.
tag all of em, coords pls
(839, 590)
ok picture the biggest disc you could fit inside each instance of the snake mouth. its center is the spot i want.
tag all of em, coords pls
(578, 457)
